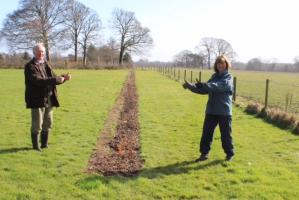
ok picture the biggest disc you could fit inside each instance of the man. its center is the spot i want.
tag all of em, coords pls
(41, 95)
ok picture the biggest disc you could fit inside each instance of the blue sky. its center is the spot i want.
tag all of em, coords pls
(255, 28)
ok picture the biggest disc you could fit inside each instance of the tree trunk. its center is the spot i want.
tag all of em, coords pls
(84, 55)
(47, 50)
(76, 48)
(121, 54)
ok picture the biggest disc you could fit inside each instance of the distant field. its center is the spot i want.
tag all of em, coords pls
(252, 84)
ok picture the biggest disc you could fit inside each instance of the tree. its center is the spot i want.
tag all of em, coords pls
(113, 46)
(196, 60)
(26, 56)
(207, 48)
(132, 36)
(188, 59)
(35, 21)
(213, 47)
(92, 53)
(254, 64)
(224, 47)
(90, 28)
(2, 59)
(127, 58)
(75, 17)
(182, 58)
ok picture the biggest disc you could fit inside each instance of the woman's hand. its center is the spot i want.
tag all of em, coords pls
(186, 84)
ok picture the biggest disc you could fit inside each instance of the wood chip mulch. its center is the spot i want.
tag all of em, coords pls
(120, 155)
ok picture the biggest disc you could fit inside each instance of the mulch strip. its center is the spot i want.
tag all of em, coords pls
(119, 153)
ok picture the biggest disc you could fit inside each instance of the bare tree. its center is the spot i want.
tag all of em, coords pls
(212, 47)
(182, 58)
(75, 16)
(113, 46)
(35, 21)
(207, 48)
(132, 36)
(103, 54)
(224, 47)
(188, 59)
(91, 26)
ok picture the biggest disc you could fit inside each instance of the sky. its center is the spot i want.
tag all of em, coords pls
(267, 29)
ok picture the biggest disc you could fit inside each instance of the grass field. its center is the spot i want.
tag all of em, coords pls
(252, 85)
(266, 165)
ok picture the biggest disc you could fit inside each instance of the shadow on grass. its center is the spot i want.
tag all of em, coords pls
(14, 150)
(177, 168)
(95, 180)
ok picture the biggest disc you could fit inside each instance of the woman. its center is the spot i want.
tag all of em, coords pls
(219, 108)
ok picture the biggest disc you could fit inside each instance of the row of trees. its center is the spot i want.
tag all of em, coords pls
(208, 49)
(257, 64)
(69, 24)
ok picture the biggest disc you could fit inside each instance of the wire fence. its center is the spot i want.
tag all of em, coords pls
(282, 91)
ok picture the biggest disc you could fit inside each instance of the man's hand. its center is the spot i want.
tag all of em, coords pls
(60, 79)
(67, 76)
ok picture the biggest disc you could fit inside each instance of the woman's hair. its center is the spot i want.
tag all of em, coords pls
(220, 59)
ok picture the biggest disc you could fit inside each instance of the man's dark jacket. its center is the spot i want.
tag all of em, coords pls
(37, 85)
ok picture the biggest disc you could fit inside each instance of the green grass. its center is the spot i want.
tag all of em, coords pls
(266, 162)
(266, 165)
(53, 174)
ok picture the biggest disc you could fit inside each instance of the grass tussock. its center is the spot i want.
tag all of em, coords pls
(275, 116)
(254, 108)
(296, 129)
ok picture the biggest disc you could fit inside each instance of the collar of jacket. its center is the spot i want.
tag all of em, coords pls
(222, 74)
(39, 62)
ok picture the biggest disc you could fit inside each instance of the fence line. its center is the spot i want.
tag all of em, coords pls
(268, 92)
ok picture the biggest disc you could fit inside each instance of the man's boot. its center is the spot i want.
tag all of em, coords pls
(44, 139)
(34, 139)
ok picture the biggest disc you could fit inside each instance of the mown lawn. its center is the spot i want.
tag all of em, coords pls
(266, 162)
(56, 172)
(266, 165)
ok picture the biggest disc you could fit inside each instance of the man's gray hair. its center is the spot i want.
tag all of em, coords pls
(38, 46)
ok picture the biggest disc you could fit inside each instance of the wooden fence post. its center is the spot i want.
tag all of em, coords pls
(199, 77)
(174, 74)
(191, 75)
(179, 75)
(235, 89)
(267, 93)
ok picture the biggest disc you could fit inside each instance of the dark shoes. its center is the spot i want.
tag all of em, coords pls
(44, 140)
(229, 158)
(202, 157)
(34, 139)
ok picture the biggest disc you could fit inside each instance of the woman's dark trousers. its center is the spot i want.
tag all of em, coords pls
(225, 125)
